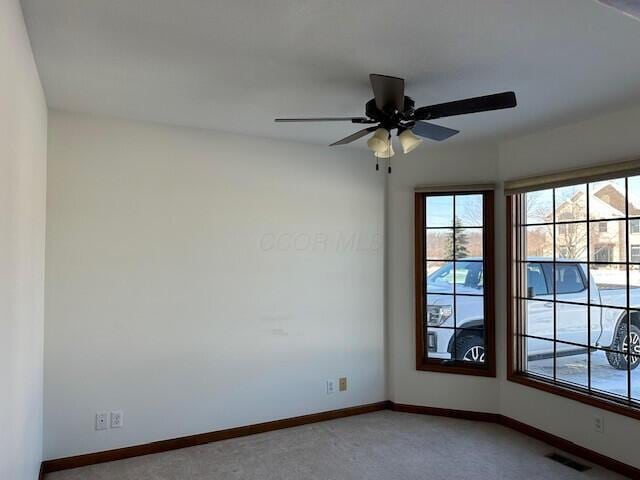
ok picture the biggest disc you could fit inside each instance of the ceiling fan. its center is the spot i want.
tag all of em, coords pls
(391, 109)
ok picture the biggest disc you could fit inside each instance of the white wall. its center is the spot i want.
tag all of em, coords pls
(605, 138)
(427, 165)
(167, 298)
(201, 281)
(23, 140)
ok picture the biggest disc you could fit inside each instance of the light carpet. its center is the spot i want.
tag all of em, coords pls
(376, 446)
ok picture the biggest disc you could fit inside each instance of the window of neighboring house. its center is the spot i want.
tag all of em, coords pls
(603, 253)
(454, 282)
(574, 304)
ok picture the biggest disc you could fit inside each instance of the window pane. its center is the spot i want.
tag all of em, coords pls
(439, 277)
(439, 310)
(539, 242)
(572, 323)
(539, 206)
(607, 241)
(440, 211)
(635, 378)
(469, 210)
(607, 199)
(571, 241)
(469, 277)
(611, 283)
(468, 242)
(572, 364)
(634, 196)
(634, 286)
(469, 311)
(539, 356)
(606, 379)
(634, 249)
(470, 345)
(571, 282)
(539, 321)
(611, 320)
(439, 244)
(439, 342)
(571, 203)
(537, 283)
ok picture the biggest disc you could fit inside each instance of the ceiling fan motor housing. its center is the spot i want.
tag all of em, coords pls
(390, 118)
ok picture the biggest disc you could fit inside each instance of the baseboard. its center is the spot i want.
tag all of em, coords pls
(41, 473)
(548, 438)
(202, 438)
(445, 412)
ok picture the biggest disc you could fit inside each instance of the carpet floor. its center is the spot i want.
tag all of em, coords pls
(376, 446)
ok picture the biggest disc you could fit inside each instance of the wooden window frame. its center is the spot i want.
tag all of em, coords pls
(513, 346)
(488, 369)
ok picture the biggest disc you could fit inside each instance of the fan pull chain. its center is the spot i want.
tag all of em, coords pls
(389, 155)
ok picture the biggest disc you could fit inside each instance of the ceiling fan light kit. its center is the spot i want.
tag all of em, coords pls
(409, 141)
(379, 141)
(390, 109)
(386, 153)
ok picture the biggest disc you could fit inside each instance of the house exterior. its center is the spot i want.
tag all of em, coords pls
(606, 238)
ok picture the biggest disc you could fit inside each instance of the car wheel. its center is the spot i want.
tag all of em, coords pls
(470, 349)
(625, 344)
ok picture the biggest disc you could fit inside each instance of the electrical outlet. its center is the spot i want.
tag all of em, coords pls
(331, 387)
(102, 421)
(117, 419)
(342, 384)
(598, 424)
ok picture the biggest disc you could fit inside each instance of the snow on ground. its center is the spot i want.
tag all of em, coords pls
(604, 377)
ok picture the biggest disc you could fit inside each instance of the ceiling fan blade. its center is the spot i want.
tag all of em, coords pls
(470, 105)
(326, 119)
(433, 131)
(388, 92)
(355, 136)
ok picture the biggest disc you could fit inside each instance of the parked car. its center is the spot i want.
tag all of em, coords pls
(573, 284)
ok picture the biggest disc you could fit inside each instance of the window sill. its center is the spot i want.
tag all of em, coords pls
(456, 368)
(619, 407)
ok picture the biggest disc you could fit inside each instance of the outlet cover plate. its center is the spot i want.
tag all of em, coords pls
(598, 424)
(117, 419)
(331, 387)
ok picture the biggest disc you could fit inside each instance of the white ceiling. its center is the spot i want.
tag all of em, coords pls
(234, 65)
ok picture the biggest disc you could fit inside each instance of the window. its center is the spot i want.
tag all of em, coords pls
(454, 282)
(603, 253)
(574, 304)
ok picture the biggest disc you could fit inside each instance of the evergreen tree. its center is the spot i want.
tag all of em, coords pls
(461, 240)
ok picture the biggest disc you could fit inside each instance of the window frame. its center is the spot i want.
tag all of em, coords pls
(514, 374)
(488, 369)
